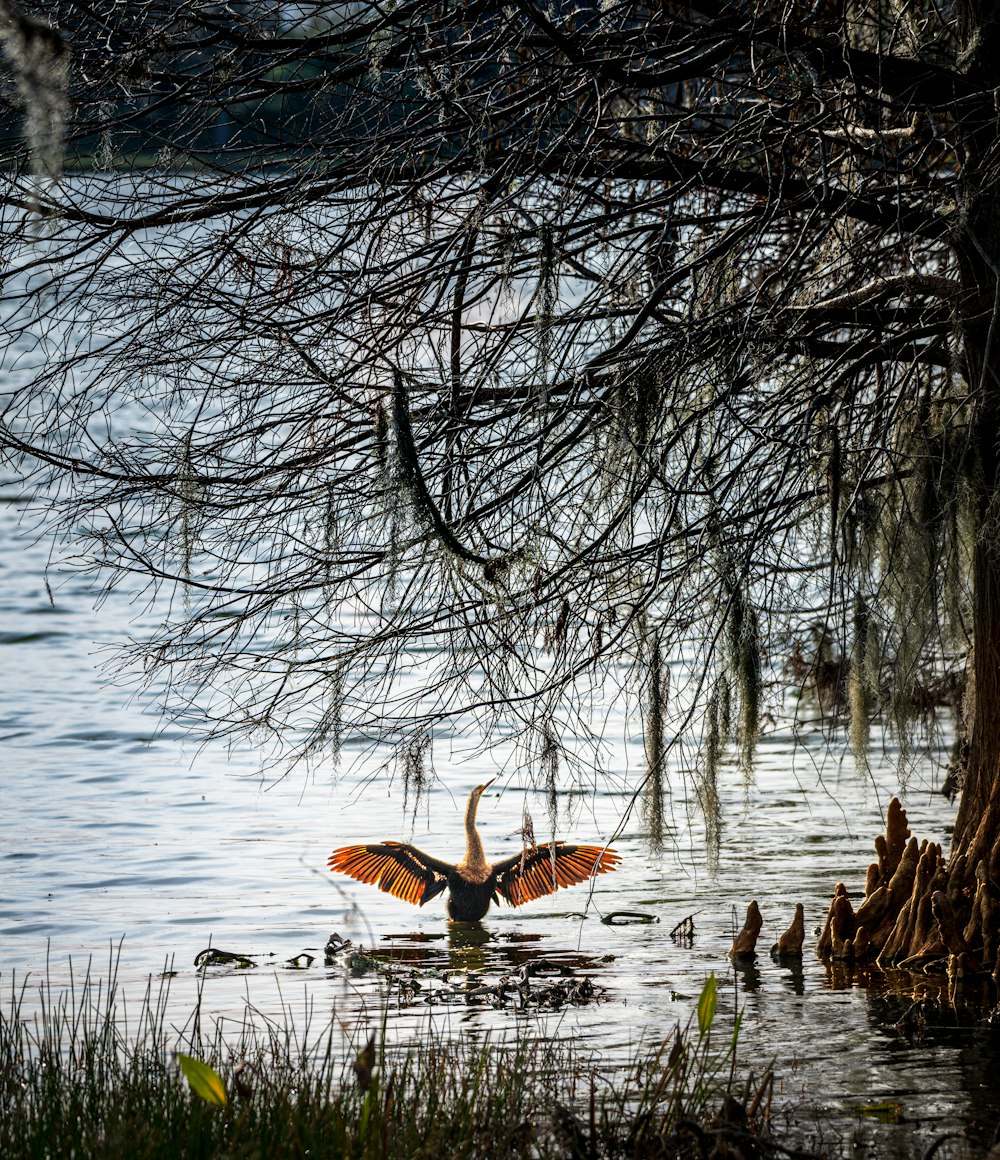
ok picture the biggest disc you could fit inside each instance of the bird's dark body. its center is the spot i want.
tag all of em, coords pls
(468, 901)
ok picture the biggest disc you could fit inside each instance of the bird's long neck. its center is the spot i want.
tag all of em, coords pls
(475, 858)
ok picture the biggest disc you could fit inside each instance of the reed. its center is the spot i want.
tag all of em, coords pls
(85, 1077)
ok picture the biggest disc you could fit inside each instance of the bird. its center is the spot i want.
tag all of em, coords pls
(402, 870)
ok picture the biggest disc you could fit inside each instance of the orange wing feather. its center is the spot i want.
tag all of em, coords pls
(543, 869)
(395, 867)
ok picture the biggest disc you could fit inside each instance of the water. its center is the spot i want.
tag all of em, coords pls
(122, 836)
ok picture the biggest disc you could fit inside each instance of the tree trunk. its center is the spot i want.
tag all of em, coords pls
(920, 910)
(978, 253)
(977, 826)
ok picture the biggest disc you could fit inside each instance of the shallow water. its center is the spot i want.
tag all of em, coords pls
(123, 838)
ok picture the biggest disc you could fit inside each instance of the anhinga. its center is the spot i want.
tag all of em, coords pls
(401, 869)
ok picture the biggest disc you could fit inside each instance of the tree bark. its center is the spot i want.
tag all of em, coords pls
(978, 253)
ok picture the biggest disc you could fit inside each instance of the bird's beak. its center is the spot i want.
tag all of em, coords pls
(484, 788)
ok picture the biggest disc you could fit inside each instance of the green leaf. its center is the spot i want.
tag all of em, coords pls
(887, 1113)
(204, 1080)
(706, 1004)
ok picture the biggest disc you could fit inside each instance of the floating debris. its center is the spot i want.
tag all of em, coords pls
(885, 1113)
(341, 952)
(627, 917)
(215, 957)
(300, 962)
(335, 944)
(683, 932)
(546, 986)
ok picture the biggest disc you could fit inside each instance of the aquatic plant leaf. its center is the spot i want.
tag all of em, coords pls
(205, 1081)
(707, 1002)
(885, 1113)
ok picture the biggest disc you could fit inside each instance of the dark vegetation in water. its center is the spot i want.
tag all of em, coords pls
(90, 1077)
(533, 983)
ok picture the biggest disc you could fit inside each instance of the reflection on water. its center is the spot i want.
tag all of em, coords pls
(471, 947)
(749, 976)
(464, 936)
(794, 978)
(111, 829)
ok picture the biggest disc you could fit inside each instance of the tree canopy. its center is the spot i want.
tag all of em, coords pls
(450, 363)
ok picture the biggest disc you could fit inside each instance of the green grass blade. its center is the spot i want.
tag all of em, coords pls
(737, 1023)
(707, 1003)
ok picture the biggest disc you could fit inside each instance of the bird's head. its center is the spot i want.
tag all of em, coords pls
(481, 789)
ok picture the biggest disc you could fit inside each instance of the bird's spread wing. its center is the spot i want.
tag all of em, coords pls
(395, 867)
(543, 869)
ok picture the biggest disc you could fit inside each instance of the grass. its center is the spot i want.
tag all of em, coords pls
(81, 1079)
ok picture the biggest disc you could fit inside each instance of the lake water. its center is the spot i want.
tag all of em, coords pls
(118, 831)
(122, 838)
